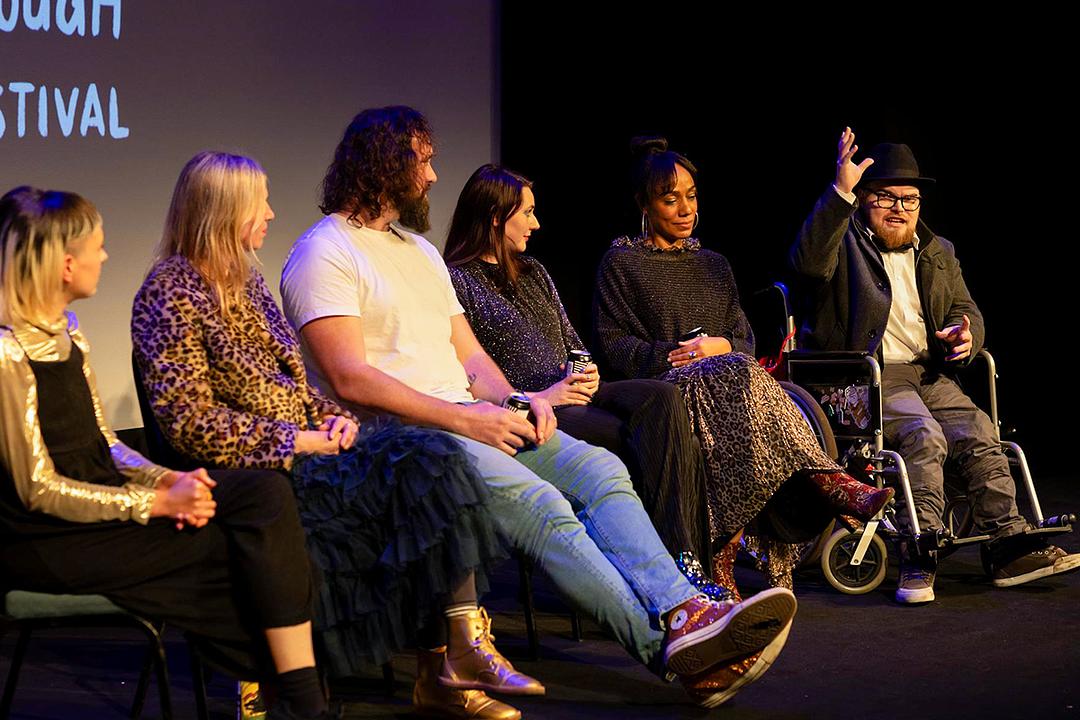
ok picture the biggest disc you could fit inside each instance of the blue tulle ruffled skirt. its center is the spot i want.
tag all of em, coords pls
(394, 524)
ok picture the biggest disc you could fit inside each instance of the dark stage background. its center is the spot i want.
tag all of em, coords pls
(760, 115)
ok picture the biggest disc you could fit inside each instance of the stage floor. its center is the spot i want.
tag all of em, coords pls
(976, 652)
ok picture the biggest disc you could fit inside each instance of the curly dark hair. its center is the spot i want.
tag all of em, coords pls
(374, 164)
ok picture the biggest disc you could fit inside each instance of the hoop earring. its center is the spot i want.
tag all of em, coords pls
(697, 219)
(644, 224)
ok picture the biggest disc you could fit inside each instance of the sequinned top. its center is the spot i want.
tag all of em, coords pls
(24, 457)
(647, 298)
(228, 392)
(524, 329)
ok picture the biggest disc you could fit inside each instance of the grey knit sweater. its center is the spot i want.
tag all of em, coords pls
(646, 298)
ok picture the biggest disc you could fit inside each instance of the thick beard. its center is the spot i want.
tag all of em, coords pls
(894, 238)
(415, 213)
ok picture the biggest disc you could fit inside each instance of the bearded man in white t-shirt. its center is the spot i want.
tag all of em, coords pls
(382, 331)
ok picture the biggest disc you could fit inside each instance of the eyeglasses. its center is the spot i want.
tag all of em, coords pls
(887, 201)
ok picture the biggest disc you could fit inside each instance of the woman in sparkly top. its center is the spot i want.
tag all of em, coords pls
(220, 555)
(515, 312)
(655, 289)
(395, 515)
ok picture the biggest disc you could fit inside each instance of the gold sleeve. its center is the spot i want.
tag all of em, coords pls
(132, 465)
(26, 459)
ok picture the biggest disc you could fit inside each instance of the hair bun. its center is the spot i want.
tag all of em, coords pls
(648, 145)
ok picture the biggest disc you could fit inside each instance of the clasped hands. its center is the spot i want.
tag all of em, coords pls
(186, 497)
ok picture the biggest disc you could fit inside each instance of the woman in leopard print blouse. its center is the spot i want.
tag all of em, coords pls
(386, 508)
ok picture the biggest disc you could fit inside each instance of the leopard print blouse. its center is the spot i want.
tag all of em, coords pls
(231, 393)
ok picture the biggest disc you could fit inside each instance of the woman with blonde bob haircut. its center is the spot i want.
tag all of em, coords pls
(82, 513)
(395, 515)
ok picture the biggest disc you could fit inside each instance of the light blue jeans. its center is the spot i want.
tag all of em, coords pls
(572, 508)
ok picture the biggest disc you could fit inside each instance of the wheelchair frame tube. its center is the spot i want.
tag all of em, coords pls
(909, 499)
(1025, 473)
(991, 379)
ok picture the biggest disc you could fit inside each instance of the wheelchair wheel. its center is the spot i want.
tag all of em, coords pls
(814, 416)
(854, 579)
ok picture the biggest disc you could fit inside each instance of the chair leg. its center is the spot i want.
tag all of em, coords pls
(525, 571)
(198, 683)
(163, 682)
(575, 626)
(157, 652)
(388, 679)
(144, 684)
(13, 672)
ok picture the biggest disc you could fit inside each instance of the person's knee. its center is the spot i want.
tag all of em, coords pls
(923, 440)
(603, 475)
(275, 490)
(665, 400)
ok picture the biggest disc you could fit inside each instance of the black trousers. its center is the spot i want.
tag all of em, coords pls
(246, 571)
(645, 423)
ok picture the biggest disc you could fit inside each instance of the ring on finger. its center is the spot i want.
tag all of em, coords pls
(693, 354)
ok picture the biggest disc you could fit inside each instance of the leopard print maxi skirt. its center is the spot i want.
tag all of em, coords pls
(754, 441)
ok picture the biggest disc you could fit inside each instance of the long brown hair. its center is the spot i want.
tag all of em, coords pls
(490, 197)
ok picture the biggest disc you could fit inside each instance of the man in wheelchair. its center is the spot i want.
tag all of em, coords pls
(877, 279)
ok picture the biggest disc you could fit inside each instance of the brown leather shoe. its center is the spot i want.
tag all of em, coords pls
(714, 688)
(431, 699)
(476, 664)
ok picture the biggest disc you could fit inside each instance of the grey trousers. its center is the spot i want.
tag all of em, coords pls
(929, 420)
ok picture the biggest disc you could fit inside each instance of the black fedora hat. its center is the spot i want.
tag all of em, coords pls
(894, 163)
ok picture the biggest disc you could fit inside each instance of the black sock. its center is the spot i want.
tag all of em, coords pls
(303, 691)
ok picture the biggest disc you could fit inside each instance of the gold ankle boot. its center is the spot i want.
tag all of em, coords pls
(431, 699)
(475, 663)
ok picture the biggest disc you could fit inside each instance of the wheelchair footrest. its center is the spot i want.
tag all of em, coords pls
(935, 540)
(1055, 530)
(970, 539)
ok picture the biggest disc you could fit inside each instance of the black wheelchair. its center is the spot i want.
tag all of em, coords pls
(839, 395)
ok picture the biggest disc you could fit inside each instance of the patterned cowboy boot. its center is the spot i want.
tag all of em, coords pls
(473, 661)
(849, 496)
(431, 699)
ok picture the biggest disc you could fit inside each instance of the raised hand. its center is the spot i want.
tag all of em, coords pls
(848, 173)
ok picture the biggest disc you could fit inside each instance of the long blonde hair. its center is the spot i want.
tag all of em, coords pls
(216, 196)
(37, 229)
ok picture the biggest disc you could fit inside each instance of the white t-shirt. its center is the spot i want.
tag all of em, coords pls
(397, 284)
